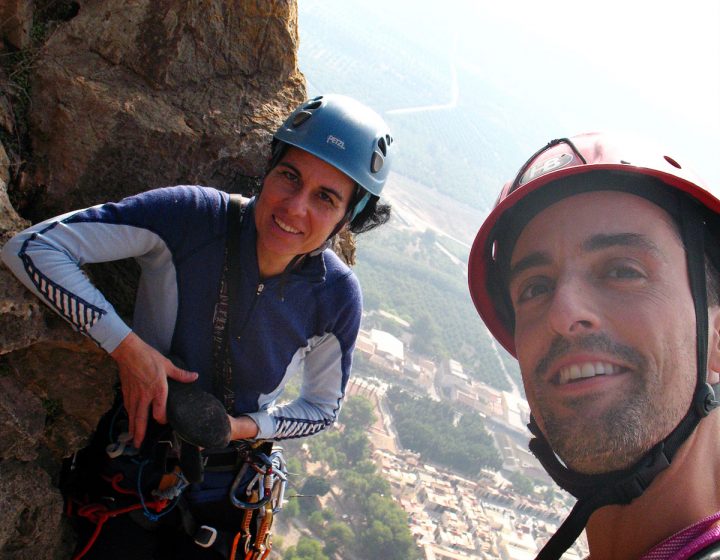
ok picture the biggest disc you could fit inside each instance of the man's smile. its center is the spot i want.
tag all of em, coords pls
(585, 370)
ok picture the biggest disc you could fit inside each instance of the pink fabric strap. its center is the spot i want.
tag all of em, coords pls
(684, 544)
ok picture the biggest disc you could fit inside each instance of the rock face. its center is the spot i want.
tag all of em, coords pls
(100, 100)
(160, 92)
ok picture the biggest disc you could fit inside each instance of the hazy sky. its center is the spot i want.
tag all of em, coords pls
(650, 68)
(669, 52)
(645, 67)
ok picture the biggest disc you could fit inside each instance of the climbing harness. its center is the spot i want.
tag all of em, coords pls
(235, 518)
(243, 490)
(145, 482)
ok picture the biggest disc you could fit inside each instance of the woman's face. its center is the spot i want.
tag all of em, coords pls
(302, 201)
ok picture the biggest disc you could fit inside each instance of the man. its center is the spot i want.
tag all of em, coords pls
(597, 269)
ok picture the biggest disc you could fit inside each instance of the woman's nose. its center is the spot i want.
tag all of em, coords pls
(297, 203)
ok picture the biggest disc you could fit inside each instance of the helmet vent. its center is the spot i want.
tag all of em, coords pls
(672, 162)
(301, 117)
(388, 139)
(383, 146)
(377, 162)
(314, 104)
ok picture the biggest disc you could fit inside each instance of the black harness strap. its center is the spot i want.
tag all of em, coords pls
(222, 377)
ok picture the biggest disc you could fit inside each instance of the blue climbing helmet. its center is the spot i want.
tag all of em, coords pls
(346, 134)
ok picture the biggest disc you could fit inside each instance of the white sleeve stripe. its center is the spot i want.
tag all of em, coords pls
(294, 428)
(81, 314)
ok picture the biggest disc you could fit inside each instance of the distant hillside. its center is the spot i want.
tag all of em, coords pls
(413, 275)
(465, 150)
(455, 147)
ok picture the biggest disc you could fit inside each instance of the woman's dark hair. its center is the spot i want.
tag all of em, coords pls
(373, 215)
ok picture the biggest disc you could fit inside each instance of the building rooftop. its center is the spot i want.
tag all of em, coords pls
(387, 344)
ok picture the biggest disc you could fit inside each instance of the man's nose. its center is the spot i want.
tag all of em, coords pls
(572, 309)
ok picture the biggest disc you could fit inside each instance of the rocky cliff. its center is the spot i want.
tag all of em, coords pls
(100, 99)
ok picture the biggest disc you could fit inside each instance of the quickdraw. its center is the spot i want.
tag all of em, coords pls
(263, 498)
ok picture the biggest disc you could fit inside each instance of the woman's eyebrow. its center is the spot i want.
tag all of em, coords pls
(291, 166)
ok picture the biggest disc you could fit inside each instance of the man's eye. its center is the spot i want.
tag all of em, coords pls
(533, 290)
(624, 272)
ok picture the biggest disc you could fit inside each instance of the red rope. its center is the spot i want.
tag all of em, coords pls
(99, 514)
(115, 482)
(233, 552)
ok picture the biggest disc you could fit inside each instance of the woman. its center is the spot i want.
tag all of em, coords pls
(294, 307)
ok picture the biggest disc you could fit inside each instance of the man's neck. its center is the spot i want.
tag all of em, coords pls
(681, 495)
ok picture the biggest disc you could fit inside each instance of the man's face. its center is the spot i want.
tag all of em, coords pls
(605, 327)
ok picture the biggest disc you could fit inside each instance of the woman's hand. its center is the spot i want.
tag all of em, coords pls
(243, 427)
(143, 375)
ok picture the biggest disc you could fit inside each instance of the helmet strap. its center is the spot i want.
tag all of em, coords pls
(693, 232)
(358, 201)
(360, 205)
(597, 490)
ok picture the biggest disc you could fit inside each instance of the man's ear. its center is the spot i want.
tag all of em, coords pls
(714, 345)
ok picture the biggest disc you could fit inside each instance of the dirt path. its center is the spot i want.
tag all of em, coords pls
(418, 207)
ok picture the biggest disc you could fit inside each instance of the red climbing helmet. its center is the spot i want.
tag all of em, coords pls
(559, 159)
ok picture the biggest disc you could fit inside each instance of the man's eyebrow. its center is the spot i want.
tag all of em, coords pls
(595, 243)
(539, 258)
(604, 241)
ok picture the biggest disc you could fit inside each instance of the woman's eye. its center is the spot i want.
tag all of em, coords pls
(325, 197)
(288, 175)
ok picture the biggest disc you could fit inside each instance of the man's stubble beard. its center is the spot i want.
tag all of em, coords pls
(619, 435)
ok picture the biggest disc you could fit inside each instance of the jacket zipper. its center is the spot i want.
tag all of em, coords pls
(258, 293)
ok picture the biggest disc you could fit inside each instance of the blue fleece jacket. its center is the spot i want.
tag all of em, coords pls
(304, 323)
